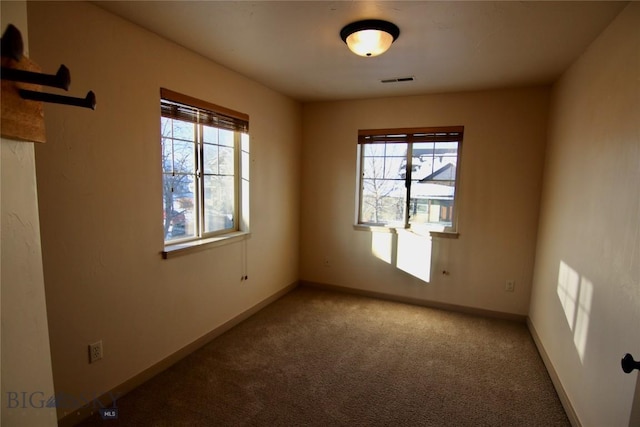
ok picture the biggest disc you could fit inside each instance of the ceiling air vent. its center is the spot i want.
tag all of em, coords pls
(397, 80)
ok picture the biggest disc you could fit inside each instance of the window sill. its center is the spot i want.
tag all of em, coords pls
(375, 228)
(445, 234)
(395, 230)
(179, 249)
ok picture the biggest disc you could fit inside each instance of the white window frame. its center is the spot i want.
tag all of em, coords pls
(203, 114)
(409, 136)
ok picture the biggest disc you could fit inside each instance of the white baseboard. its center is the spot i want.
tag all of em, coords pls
(106, 399)
(420, 302)
(562, 394)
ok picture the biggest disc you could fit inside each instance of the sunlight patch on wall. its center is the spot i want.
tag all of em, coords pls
(404, 249)
(581, 330)
(568, 285)
(414, 254)
(576, 297)
(382, 246)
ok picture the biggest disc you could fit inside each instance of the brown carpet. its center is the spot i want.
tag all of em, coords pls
(322, 358)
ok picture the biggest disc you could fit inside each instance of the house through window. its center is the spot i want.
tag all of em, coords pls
(408, 177)
(205, 150)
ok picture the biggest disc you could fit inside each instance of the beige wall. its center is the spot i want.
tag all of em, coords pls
(26, 377)
(99, 178)
(101, 210)
(499, 192)
(586, 296)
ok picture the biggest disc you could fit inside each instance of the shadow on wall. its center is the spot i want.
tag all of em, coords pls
(576, 297)
(405, 250)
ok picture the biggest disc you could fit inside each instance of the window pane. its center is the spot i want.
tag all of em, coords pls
(210, 159)
(226, 137)
(394, 167)
(178, 203)
(422, 162)
(384, 167)
(396, 149)
(383, 201)
(373, 149)
(218, 160)
(184, 159)
(245, 165)
(226, 161)
(166, 129)
(451, 147)
(219, 201)
(244, 142)
(387, 149)
(383, 188)
(423, 149)
(432, 209)
(449, 159)
(210, 135)
(183, 130)
(167, 155)
(432, 194)
(373, 167)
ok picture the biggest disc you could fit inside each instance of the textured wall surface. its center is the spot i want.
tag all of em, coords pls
(499, 190)
(586, 295)
(100, 193)
(26, 377)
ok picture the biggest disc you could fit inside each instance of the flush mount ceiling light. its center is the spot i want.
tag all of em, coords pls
(370, 37)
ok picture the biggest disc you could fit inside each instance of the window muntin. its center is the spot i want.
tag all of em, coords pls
(408, 177)
(205, 158)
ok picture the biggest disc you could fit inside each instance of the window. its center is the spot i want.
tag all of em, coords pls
(205, 175)
(408, 177)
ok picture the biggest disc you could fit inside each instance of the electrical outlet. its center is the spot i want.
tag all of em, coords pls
(510, 286)
(95, 351)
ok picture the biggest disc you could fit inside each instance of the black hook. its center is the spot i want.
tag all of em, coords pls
(11, 43)
(88, 102)
(628, 364)
(61, 80)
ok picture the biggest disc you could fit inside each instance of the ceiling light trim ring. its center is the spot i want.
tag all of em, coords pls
(368, 25)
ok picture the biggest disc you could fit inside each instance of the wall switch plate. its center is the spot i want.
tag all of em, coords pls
(95, 351)
(510, 286)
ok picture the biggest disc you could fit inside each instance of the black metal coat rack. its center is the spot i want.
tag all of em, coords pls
(12, 47)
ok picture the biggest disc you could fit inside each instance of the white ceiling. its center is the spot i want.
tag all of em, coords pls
(295, 48)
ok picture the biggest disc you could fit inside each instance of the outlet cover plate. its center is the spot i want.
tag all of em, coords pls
(510, 286)
(95, 351)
